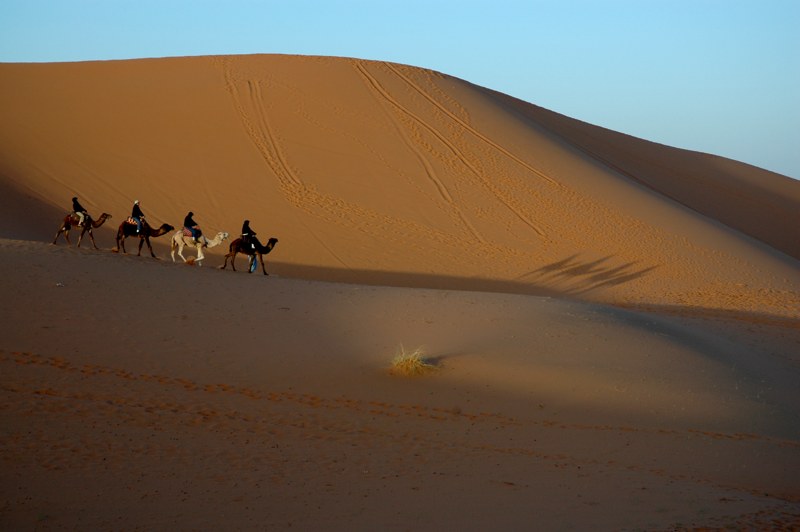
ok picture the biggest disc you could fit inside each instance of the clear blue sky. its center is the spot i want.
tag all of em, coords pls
(719, 76)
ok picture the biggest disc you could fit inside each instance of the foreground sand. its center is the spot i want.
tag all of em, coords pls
(614, 322)
(139, 393)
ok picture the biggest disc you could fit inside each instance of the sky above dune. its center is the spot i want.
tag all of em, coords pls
(718, 76)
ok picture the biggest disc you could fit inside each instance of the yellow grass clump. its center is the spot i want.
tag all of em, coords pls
(411, 363)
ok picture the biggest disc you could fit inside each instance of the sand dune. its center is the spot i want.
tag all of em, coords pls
(374, 167)
(614, 322)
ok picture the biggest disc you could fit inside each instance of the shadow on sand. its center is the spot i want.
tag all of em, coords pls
(569, 276)
(574, 276)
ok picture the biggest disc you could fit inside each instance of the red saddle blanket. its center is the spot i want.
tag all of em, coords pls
(186, 232)
(130, 221)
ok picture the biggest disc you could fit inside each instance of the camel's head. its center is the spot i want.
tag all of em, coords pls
(223, 235)
(105, 216)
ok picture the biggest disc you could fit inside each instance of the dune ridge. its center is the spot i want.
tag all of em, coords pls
(613, 323)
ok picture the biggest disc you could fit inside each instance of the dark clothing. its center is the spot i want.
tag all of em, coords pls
(246, 231)
(191, 225)
(248, 235)
(77, 207)
(137, 215)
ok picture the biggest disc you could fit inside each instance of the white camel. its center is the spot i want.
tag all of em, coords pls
(180, 241)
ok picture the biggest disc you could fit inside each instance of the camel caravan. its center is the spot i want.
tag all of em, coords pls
(189, 236)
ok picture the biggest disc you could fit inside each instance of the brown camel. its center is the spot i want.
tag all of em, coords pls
(128, 229)
(238, 246)
(71, 220)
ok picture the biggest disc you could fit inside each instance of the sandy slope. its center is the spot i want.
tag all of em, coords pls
(518, 246)
(192, 396)
(366, 168)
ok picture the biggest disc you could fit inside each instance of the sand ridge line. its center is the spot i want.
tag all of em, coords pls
(467, 126)
(372, 407)
(373, 82)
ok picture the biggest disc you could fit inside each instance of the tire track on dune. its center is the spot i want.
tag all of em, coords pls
(426, 164)
(374, 85)
(468, 127)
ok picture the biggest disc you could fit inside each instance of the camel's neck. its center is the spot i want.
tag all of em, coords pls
(97, 223)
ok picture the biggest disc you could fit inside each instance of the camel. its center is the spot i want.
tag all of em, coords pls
(237, 246)
(128, 229)
(180, 241)
(71, 220)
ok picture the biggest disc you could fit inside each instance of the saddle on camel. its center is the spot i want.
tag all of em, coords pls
(190, 227)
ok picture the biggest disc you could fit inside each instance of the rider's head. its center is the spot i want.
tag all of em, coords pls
(75, 198)
(191, 213)
(136, 202)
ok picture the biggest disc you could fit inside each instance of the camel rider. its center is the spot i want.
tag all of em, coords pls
(191, 225)
(79, 211)
(138, 216)
(248, 235)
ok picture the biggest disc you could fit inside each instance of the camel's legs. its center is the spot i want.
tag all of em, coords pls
(233, 260)
(263, 264)
(91, 237)
(142, 240)
(225, 263)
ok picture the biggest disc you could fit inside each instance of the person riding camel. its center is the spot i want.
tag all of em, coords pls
(248, 235)
(138, 216)
(79, 211)
(191, 226)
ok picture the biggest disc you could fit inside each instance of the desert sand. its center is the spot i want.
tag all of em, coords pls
(613, 323)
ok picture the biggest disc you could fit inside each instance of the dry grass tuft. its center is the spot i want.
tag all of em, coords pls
(411, 363)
